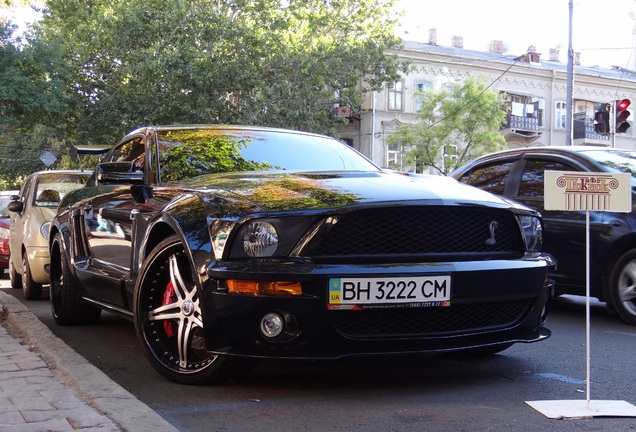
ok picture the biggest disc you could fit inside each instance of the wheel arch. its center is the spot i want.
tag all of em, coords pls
(190, 224)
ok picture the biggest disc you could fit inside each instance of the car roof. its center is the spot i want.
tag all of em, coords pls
(556, 149)
(227, 127)
(62, 172)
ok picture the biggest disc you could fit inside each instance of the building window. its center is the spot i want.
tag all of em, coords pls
(395, 97)
(420, 87)
(393, 156)
(560, 115)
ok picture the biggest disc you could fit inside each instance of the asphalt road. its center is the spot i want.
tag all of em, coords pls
(415, 393)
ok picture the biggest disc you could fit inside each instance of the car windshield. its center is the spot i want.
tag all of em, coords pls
(188, 153)
(615, 161)
(52, 187)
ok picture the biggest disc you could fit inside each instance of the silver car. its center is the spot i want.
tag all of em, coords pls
(31, 214)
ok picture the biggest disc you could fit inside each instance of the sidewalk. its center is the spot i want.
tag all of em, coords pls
(46, 386)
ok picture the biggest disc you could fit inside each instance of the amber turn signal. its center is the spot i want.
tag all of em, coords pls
(236, 286)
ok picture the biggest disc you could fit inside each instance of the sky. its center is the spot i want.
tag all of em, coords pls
(602, 30)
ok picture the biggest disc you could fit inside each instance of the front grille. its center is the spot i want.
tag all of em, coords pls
(432, 321)
(424, 230)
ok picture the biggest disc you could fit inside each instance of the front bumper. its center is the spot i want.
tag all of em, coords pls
(492, 303)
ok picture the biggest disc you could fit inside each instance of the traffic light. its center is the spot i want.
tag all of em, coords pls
(622, 115)
(602, 119)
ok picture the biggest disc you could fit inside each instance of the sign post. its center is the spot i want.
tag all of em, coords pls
(584, 191)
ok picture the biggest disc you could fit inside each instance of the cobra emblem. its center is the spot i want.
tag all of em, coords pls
(493, 226)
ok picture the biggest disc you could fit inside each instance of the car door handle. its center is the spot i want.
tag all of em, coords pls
(133, 213)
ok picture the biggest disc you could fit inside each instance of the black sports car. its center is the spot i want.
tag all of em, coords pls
(227, 244)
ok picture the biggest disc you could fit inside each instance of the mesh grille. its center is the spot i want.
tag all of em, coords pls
(420, 231)
(430, 321)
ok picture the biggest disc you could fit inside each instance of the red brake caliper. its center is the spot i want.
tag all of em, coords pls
(168, 297)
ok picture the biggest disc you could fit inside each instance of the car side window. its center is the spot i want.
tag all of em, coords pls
(130, 151)
(532, 177)
(491, 178)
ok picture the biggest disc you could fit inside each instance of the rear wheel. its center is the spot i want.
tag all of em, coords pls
(32, 290)
(623, 287)
(66, 302)
(169, 322)
(14, 277)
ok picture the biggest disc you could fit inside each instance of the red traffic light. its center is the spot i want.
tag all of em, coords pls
(621, 116)
(623, 105)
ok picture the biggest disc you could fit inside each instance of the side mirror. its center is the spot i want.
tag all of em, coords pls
(15, 206)
(119, 172)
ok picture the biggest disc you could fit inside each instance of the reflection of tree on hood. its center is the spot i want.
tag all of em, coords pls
(187, 154)
(279, 191)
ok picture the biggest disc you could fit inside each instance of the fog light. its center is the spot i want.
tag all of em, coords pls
(272, 325)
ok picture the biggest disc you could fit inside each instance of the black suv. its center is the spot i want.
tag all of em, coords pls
(518, 174)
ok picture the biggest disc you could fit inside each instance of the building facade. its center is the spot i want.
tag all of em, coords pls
(536, 90)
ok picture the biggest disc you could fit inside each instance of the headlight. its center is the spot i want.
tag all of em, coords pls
(4, 233)
(272, 237)
(260, 239)
(532, 231)
(45, 229)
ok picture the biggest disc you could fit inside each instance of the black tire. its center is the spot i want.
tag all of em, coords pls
(622, 290)
(32, 290)
(172, 334)
(14, 277)
(66, 302)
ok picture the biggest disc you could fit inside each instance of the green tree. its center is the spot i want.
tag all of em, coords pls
(266, 62)
(33, 104)
(466, 118)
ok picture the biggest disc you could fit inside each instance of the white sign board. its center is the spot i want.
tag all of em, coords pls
(576, 191)
(586, 191)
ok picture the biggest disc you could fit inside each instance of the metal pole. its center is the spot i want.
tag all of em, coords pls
(570, 79)
(372, 138)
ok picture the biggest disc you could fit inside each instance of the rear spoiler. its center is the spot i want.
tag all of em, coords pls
(92, 149)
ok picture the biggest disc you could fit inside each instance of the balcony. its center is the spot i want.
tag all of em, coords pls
(341, 111)
(583, 131)
(521, 126)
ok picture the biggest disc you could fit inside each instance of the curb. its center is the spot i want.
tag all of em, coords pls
(74, 371)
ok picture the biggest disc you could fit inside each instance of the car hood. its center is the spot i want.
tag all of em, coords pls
(294, 191)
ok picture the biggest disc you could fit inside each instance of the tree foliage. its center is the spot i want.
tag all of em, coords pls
(266, 62)
(34, 102)
(466, 115)
(96, 69)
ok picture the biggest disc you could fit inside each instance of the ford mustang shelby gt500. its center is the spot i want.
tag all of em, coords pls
(226, 244)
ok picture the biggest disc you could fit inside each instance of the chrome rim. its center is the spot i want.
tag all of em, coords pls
(627, 287)
(171, 313)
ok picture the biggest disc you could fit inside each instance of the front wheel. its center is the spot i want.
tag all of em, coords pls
(32, 290)
(169, 322)
(623, 287)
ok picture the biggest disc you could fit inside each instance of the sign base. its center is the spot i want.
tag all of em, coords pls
(562, 409)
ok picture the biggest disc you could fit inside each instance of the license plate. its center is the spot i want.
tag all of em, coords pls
(360, 291)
